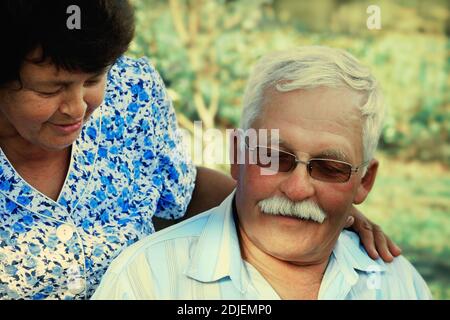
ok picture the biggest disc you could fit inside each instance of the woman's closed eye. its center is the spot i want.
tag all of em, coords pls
(48, 93)
(92, 83)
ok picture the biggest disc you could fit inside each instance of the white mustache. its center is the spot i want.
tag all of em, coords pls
(307, 209)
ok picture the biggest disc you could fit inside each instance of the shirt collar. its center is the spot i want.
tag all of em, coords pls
(351, 257)
(217, 254)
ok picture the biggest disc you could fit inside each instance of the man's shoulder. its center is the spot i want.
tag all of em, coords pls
(399, 279)
(354, 247)
(402, 271)
(192, 227)
(352, 243)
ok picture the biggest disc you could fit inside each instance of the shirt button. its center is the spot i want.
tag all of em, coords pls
(76, 286)
(65, 232)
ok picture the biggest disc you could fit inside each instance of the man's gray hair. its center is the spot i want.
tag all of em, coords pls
(309, 67)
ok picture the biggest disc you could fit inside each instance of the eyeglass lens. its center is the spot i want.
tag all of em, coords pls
(319, 169)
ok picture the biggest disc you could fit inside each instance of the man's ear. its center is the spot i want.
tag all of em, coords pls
(234, 155)
(366, 182)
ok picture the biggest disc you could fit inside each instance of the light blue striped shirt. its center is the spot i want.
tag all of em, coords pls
(200, 258)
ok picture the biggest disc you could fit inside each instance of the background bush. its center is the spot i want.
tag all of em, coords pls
(205, 50)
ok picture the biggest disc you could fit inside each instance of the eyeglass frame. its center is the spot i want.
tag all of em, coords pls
(353, 169)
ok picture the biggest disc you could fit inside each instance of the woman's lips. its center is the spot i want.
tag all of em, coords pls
(68, 128)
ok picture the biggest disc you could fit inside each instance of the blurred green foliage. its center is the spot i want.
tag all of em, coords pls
(411, 202)
(204, 51)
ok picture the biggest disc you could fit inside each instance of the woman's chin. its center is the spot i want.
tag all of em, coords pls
(57, 144)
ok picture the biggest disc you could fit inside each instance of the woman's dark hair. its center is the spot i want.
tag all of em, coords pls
(106, 30)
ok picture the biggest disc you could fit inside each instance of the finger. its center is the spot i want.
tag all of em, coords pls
(366, 235)
(349, 222)
(393, 248)
(381, 244)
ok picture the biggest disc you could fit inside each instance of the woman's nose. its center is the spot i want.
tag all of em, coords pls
(74, 104)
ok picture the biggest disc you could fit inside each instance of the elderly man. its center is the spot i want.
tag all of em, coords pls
(328, 111)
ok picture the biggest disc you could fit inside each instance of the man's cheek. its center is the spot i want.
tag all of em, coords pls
(264, 184)
(335, 204)
(337, 215)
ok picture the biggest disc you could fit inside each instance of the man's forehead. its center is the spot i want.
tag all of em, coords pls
(340, 106)
(329, 117)
(319, 101)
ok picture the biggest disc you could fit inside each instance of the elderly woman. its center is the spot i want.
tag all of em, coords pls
(89, 150)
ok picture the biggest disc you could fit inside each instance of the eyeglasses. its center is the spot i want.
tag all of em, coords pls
(327, 170)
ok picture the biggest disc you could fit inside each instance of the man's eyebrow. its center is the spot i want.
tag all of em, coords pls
(334, 154)
(276, 140)
(283, 145)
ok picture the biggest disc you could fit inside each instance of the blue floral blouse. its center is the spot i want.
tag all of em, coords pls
(127, 165)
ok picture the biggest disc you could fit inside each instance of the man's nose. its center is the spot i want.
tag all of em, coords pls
(298, 185)
(74, 105)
